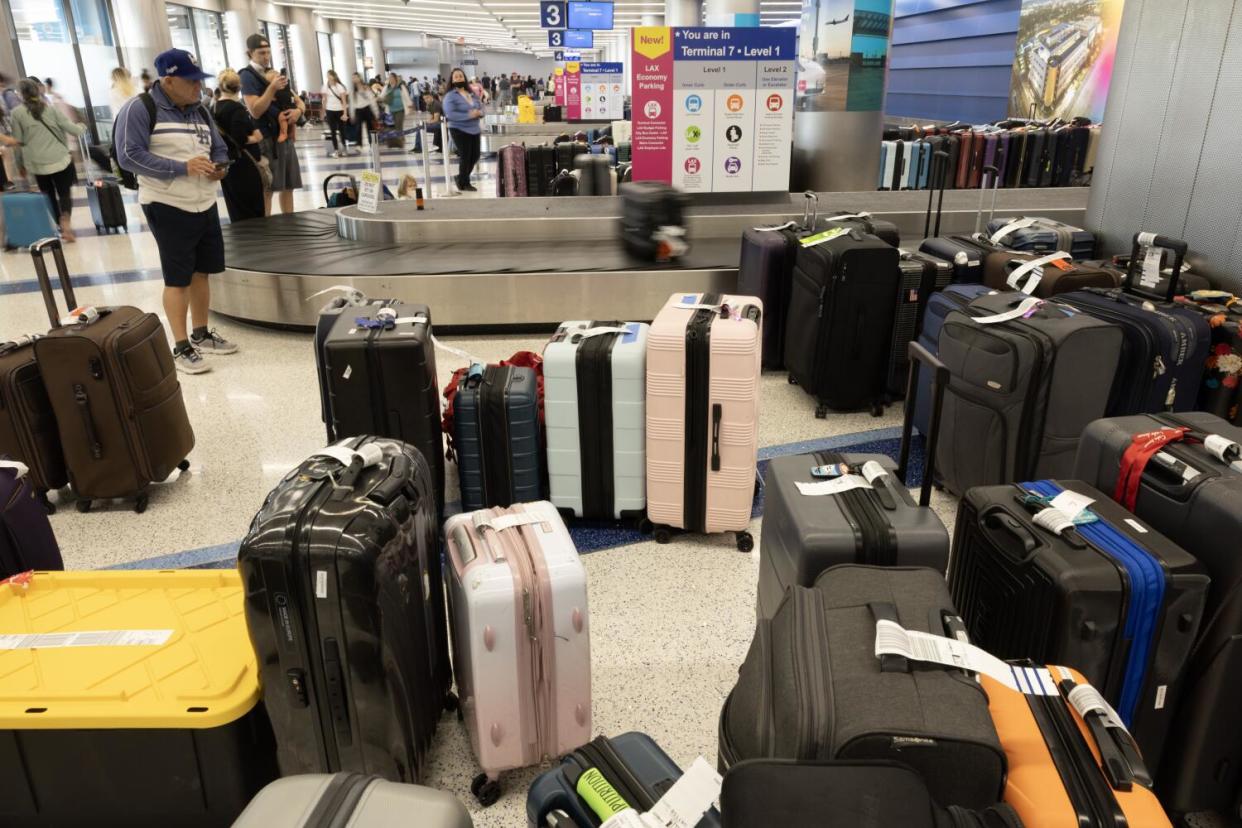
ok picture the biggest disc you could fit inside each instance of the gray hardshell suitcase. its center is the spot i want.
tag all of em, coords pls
(351, 800)
(498, 444)
(811, 686)
(595, 405)
(1192, 494)
(1021, 390)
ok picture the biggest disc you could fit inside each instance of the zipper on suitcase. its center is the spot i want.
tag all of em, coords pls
(339, 800)
(698, 379)
(83, 403)
(810, 683)
(876, 544)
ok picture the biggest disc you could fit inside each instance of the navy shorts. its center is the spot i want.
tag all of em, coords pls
(189, 243)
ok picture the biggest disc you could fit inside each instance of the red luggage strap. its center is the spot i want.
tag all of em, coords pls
(1141, 449)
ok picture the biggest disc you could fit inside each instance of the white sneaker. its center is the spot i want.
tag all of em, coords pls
(190, 362)
(212, 343)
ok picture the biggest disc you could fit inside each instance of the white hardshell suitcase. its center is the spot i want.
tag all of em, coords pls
(594, 400)
(351, 800)
(517, 597)
(888, 171)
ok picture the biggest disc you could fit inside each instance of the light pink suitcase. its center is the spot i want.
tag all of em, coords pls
(517, 596)
(703, 356)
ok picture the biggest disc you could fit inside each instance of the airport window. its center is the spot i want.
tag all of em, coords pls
(277, 34)
(327, 60)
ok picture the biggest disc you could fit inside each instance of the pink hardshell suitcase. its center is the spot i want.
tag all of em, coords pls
(703, 355)
(517, 596)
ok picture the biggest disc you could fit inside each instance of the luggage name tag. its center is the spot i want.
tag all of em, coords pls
(891, 639)
(81, 315)
(825, 236)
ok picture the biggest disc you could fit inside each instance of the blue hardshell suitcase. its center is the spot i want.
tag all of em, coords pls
(941, 303)
(629, 761)
(27, 219)
(497, 437)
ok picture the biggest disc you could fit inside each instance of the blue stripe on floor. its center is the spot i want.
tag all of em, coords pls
(593, 537)
(116, 277)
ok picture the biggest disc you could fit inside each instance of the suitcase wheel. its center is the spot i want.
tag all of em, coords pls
(84, 505)
(140, 503)
(663, 534)
(877, 409)
(791, 380)
(645, 526)
(486, 790)
(745, 542)
(821, 411)
(184, 465)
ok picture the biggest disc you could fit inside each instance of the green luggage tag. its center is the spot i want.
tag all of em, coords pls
(600, 795)
(825, 236)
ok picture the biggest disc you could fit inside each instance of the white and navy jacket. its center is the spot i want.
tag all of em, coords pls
(157, 157)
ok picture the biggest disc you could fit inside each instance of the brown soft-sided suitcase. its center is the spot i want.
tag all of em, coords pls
(1009, 271)
(1064, 772)
(27, 425)
(977, 153)
(964, 159)
(114, 390)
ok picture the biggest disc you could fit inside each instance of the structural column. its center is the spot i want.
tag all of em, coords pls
(732, 12)
(684, 12)
(343, 49)
(240, 22)
(306, 65)
(142, 30)
(373, 47)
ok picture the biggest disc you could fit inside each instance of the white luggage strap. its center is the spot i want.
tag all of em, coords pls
(483, 521)
(19, 468)
(1036, 268)
(1026, 306)
(847, 216)
(591, 332)
(353, 462)
(683, 305)
(352, 294)
(1017, 224)
(390, 313)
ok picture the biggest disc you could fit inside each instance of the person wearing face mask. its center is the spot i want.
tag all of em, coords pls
(464, 112)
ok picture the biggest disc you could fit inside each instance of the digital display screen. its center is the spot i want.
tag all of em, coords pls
(584, 15)
(579, 38)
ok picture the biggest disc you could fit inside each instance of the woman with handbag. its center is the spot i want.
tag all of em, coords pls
(246, 183)
(43, 134)
(336, 110)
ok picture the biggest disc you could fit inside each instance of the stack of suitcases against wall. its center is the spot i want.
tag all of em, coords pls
(1066, 656)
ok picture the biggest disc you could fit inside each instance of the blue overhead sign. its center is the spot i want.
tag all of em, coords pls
(589, 15)
(552, 14)
(579, 39)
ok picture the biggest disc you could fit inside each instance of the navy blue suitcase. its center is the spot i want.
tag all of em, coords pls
(766, 271)
(1099, 590)
(497, 440)
(636, 767)
(1035, 234)
(939, 306)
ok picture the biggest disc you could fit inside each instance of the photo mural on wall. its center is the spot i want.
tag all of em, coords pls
(1064, 58)
(843, 54)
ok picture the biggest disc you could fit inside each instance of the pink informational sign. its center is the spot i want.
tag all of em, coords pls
(559, 80)
(651, 99)
(573, 90)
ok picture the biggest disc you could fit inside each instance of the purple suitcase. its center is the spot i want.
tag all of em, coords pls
(993, 154)
(766, 271)
(26, 539)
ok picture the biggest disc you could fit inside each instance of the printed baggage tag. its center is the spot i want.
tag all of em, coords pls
(1028, 305)
(1153, 261)
(833, 487)
(92, 638)
(893, 639)
(825, 236)
(1086, 699)
(1035, 267)
(1071, 503)
(1224, 449)
(682, 806)
(18, 467)
(873, 471)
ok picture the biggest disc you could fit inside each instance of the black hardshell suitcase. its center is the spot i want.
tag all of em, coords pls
(107, 206)
(381, 380)
(1114, 598)
(345, 607)
(840, 324)
(567, 151)
(811, 687)
(498, 442)
(540, 169)
(323, 326)
(27, 422)
(1036, 155)
(1190, 493)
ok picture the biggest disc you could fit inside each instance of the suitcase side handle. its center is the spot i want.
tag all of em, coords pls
(940, 380)
(37, 251)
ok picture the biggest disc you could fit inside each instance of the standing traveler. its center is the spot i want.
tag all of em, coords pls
(43, 133)
(463, 111)
(435, 114)
(364, 110)
(245, 193)
(487, 84)
(398, 103)
(8, 94)
(145, 78)
(336, 110)
(261, 98)
(176, 160)
(503, 98)
(123, 88)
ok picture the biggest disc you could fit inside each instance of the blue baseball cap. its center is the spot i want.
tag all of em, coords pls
(178, 63)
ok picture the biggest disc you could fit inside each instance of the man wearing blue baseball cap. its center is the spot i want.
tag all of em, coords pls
(169, 141)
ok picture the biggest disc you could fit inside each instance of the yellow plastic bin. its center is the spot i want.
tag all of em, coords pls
(129, 698)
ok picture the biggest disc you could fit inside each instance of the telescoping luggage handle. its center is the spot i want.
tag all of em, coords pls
(995, 173)
(37, 251)
(1145, 267)
(939, 180)
(940, 380)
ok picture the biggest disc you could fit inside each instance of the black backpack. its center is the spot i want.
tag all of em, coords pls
(128, 180)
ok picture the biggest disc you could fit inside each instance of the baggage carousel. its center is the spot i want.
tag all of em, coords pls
(488, 264)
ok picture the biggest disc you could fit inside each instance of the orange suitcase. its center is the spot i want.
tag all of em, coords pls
(1057, 778)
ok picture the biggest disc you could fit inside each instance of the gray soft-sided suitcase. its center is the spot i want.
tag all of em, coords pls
(351, 799)
(812, 687)
(1202, 770)
(1021, 391)
(498, 445)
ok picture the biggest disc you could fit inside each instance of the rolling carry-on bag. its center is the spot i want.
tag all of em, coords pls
(595, 177)
(379, 370)
(841, 315)
(1035, 234)
(323, 326)
(965, 252)
(1026, 379)
(765, 792)
(565, 184)
(864, 222)
(345, 608)
(497, 436)
(653, 220)
(1182, 474)
(594, 377)
(316, 800)
(26, 539)
(1071, 763)
(521, 637)
(568, 151)
(1076, 579)
(129, 699)
(27, 423)
(813, 522)
(617, 772)
(540, 169)
(1043, 276)
(113, 388)
(703, 414)
(812, 687)
(922, 276)
(107, 207)
(511, 172)
(27, 219)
